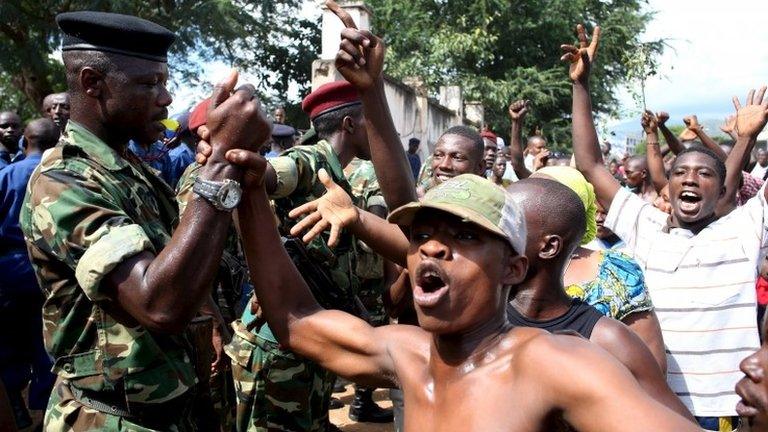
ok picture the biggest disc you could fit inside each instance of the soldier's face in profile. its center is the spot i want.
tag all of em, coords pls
(138, 98)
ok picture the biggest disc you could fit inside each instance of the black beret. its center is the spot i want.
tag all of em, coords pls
(115, 33)
(282, 131)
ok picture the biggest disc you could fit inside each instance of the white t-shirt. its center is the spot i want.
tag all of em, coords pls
(759, 171)
(703, 289)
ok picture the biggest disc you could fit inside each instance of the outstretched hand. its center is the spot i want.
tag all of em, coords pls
(751, 118)
(649, 122)
(729, 126)
(518, 110)
(581, 58)
(335, 209)
(360, 59)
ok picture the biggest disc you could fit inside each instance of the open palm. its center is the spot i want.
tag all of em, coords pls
(581, 58)
(334, 209)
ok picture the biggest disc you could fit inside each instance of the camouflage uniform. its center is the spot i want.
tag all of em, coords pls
(87, 209)
(369, 266)
(425, 175)
(277, 389)
(227, 293)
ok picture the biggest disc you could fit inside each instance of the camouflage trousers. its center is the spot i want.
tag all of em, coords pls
(277, 389)
(66, 413)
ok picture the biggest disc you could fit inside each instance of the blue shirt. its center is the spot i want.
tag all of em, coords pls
(181, 157)
(415, 162)
(13, 186)
(171, 163)
(6, 158)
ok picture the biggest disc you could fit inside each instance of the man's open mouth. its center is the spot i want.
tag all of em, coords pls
(430, 285)
(688, 201)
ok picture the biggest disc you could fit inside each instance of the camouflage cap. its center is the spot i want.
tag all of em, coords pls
(474, 199)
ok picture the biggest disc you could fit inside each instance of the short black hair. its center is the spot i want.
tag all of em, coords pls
(75, 61)
(328, 123)
(470, 134)
(719, 165)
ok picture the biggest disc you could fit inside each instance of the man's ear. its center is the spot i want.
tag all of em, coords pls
(516, 270)
(553, 245)
(348, 124)
(92, 82)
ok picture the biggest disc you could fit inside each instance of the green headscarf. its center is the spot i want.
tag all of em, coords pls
(572, 178)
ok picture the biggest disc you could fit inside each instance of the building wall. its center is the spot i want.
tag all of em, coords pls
(413, 112)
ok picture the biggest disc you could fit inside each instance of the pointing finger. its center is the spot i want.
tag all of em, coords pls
(222, 90)
(345, 18)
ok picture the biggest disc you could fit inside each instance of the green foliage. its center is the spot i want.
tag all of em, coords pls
(503, 50)
(267, 38)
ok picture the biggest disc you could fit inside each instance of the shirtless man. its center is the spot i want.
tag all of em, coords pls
(465, 366)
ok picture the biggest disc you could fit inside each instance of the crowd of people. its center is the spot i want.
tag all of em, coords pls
(222, 270)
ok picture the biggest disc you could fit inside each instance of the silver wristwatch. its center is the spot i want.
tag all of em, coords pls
(224, 195)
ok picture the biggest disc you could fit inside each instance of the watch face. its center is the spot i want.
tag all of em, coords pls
(229, 196)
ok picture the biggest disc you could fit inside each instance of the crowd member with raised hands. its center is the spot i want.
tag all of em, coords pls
(517, 112)
(655, 160)
(704, 295)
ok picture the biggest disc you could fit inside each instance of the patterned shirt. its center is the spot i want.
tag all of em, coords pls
(86, 211)
(618, 290)
(703, 290)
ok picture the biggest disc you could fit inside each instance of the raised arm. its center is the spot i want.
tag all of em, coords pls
(586, 147)
(653, 152)
(693, 125)
(338, 341)
(360, 61)
(672, 142)
(750, 121)
(517, 112)
(729, 127)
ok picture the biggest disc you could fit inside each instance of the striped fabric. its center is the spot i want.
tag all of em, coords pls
(703, 288)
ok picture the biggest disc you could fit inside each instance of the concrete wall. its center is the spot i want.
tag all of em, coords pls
(414, 113)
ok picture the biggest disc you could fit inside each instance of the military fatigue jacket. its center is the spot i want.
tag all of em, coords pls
(366, 194)
(297, 184)
(86, 210)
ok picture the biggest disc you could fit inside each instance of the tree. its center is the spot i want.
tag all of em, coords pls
(502, 50)
(266, 37)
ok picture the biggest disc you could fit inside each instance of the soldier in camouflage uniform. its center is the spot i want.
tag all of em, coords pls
(98, 223)
(277, 389)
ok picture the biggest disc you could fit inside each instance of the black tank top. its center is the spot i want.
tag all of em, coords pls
(580, 318)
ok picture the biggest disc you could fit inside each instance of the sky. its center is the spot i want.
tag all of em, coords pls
(719, 49)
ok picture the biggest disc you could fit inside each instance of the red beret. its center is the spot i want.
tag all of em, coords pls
(199, 114)
(488, 134)
(329, 97)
